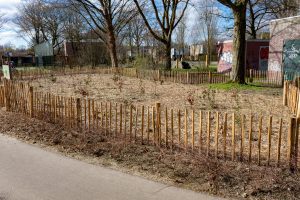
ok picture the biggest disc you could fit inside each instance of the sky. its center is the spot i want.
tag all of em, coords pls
(9, 35)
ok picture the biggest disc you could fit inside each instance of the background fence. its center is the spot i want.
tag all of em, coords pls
(264, 140)
(259, 78)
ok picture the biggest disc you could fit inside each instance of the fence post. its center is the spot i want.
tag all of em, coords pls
(158, 74)
(251, 75)
(78, 112)
(293, 143)
(285, 88)
(209, 77)
(7, 96)
(31, 102)
(187, 78)
(158, 132)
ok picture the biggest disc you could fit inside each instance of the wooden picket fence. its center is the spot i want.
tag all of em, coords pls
(153, 75)
(264, 140)
(255, 77)
(264, 78)
(291, 97)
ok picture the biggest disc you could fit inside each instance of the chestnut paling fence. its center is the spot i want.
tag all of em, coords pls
(264, 140)
(291, 97)
(261, 78)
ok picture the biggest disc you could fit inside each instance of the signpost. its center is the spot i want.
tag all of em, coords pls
(291, 58)
(6, 72)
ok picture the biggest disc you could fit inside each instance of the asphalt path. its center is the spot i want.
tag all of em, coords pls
(28, 172)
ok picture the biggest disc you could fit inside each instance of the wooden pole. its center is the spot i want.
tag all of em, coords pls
(243, 137)
(233, 137)
(130, 124)
(217, 134)
(142, 126)
(166, 126)
(148, 125)
(208, 134)
(224, 135)
(285, 88)
(250, 139)
(116, 119)
(78, 111)
(259, 139)
(186, 129)
(121, 119)
(136, 123)
(153, 124)
(172, 128)
(125, 122)
(179, 127)
(193, 130)
(89, 114)
(110, 117)
(200, 131)
(269, 139)
(31, 102)
(158, 124)
(291, 142)
(279, 142)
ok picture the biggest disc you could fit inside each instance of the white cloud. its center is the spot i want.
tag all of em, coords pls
(9, 34)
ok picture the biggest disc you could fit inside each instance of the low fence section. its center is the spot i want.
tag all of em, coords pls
(153, 75)
(291, 97)
(264, 78)
(264, 140)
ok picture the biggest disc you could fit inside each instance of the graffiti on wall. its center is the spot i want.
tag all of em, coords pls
(263, 57)
(225, 61)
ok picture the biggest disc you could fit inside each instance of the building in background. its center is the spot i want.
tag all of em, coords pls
(257, 54)
(86, 52)
(196, 50)
(44, 54)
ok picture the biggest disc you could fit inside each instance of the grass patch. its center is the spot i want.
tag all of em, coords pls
(211, 68)
(236, 86)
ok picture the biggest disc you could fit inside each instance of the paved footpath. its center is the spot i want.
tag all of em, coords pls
(30, 173)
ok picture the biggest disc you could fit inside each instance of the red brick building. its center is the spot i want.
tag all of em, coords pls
(257, 52)
(281, 30)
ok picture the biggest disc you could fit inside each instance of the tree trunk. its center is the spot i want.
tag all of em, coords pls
(208, 51)
(239, 45)
(168, 58)
(112, 48)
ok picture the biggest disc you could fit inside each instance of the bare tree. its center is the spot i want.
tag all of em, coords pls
(107, 18)
(208, 24)
(181, 32)
(40, 22)
(258, 17)
(238, 8)
(282, 8)
(30, 21)
(135, 33)
(167, 15)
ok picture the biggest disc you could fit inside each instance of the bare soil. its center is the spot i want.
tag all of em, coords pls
(116, 89)
(222, 178)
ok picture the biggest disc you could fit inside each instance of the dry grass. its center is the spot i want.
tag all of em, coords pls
(128, 91)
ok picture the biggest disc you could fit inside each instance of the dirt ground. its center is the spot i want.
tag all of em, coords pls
(222, 178)
(266, 101)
